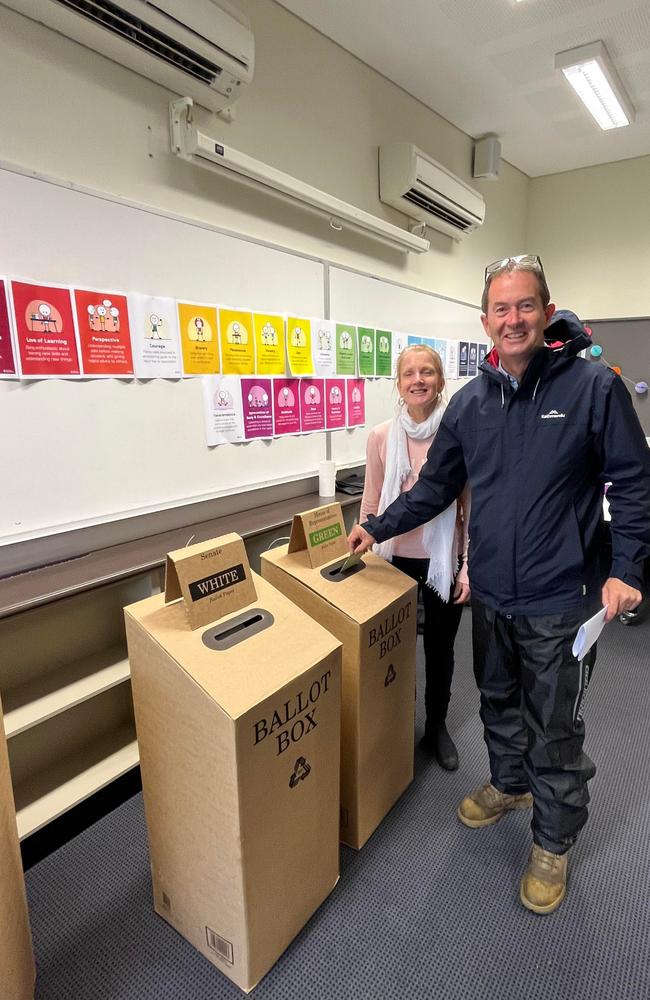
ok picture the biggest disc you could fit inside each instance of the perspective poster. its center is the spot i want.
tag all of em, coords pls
(104, 333)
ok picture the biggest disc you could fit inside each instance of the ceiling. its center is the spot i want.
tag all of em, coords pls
(487, 66)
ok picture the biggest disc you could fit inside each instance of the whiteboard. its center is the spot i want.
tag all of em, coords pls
(82, 452)
(369, 301)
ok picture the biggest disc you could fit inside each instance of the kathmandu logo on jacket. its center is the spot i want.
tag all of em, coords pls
(553, 415)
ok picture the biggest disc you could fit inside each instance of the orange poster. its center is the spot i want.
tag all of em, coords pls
(198, 329)
(104, 335)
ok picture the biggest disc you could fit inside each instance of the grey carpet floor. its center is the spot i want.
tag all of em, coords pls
(428, 909)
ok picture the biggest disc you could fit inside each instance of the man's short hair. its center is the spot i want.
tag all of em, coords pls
(512, 265)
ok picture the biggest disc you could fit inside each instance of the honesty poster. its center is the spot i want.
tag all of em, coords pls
(323, 346)
(346, 360)
(154, 336)
(334, 403)
(222, 409)
(104, 333)
(237, 342)
(269, 344)
(198, 332)
(257, 407)
(7, 357)
(366, 351)
(299, 346)
(45, 332)
(356, 399)
(384, 355)
(312, 404)
(286, 406)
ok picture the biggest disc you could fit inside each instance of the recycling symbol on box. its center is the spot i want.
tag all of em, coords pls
(391, 675)
(300, 772)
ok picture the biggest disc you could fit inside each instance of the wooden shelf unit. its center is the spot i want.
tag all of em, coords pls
(64, 672)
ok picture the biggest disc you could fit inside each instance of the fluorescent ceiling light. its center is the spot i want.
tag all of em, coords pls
(193, 145)
(590, 72)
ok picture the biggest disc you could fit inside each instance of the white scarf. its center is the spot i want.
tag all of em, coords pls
(439, 536)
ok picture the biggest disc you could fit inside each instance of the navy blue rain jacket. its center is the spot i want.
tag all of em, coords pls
(537, 460)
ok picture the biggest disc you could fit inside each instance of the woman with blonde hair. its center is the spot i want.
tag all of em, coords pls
(431, 554)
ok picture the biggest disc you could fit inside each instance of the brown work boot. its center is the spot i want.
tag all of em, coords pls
(543, 886)
(487, 804)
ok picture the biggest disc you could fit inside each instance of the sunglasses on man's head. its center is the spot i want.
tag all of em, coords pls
(531, 259)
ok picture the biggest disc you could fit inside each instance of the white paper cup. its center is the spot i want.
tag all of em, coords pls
(327, 479)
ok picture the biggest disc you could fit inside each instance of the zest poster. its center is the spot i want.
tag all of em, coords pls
(45, 332)
(299, 346)
(104, 334)
(198, 333)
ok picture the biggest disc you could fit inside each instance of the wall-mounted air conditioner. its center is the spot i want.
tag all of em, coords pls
(425, 190)
(197, 48)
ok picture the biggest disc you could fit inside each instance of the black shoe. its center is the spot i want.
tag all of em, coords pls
(440, 745)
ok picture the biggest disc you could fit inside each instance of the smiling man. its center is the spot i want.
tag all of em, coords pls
(537, 435)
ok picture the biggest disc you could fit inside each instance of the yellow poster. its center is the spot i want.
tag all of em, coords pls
(299, 346)
(269, 344)
(198, 327)
(237, 343)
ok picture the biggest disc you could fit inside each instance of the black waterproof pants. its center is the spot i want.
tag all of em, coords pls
(532, 691)
(441, 621)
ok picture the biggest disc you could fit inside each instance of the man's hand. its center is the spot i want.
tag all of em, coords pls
(359, 540)
(618, 596)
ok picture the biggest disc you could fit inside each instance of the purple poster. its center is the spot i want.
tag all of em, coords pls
(286, 408)
(257, 404)
(312, 404)
(7, 361)
(334, 403)
(356, 402)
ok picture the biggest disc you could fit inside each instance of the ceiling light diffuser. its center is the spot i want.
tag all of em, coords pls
(590, 72)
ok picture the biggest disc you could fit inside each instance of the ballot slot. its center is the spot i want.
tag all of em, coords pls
(237, 629)
(333, 572)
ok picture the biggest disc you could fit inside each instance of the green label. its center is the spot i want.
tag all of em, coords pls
(346, 337)
(325, 534)
(384, 364)
(366, 351)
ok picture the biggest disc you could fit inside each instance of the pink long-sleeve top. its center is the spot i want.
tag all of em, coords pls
(411, 544)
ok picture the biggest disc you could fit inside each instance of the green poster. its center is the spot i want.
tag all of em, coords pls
(345, 349)
(366, 351)
(384, 357)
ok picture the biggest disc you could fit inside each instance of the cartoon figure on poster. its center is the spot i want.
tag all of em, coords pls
(356, 395)
(298, 338)
(257, 397)
(383, 345)
(346, 341)
(156, 323)
(286, 397)
(366, 344)
(335, 394)
(324, 340)
(269, 336)
(42, 317)
(114, 313)
(223, 399)
(312, 395)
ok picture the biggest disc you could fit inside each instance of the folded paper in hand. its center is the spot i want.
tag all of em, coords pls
(588, 633)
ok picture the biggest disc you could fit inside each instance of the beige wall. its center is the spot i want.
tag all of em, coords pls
(591, 228)
(313, 110)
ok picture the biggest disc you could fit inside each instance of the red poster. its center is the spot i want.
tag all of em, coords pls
(44, 329)
(104, 335)
(335, 403)
(7, 360)
(356, 402)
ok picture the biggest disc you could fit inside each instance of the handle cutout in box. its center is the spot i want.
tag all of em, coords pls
(237, 629)
(334, 575)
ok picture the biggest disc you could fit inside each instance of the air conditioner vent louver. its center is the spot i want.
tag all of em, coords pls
(433, 208)
(121, 22)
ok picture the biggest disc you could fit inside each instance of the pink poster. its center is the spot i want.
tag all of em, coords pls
(257, 404)
(45, 331)
(286, 407)
(356, 402)
(7, 360)
(312, 404)
(334, 403)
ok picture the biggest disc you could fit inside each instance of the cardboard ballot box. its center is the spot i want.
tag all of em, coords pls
(237, 706)
(371, 608)
(16, 959)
